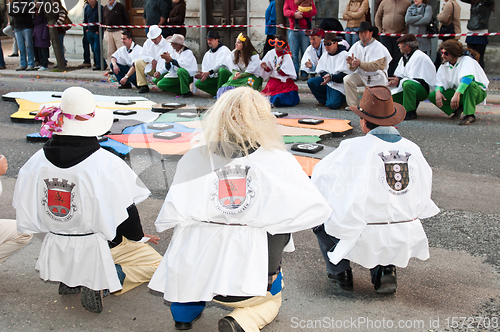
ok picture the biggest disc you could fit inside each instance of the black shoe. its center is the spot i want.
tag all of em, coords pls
(13, 55)
(343, 279)
(143, 89)
(467, 120)
(411, 115)
(456, 113)
(96, 68)
(304, 78)
(229, 324)
(91, 300)
(66, 290)
(187, 95)
(3, 67)
(386, 281)
(125, 86)
(186, 326)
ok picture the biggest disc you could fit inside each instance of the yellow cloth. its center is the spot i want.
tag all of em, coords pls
(10, 240)
(304, 9)
(138, 261)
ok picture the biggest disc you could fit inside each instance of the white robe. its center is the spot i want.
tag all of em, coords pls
(449, 76)
(205, 259)
(125, 58)
(185, 59)
(104, 187)
(215, 60)
(334, 64)
(252, 68)
(151, 51)
(310, 54)
(372, 52)
(354, 182)
(419, 66)
(277, 63)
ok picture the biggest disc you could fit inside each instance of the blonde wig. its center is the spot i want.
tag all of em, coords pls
(241, 116)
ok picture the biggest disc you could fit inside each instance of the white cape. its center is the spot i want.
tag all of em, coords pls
(125, 58)
(93, 197)
(449, 76)
(151, 51)
(252, 68)
(211, 258)
(277, 63)
(419, 66)
(185, 59)
(354, 182)
(372, 52)
(334, 64)
(215, 60)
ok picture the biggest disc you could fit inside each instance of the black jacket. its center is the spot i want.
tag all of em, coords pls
(479, 14)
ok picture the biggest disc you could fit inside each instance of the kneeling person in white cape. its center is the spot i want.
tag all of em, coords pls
(234, 201)
(83, 197)
(379, 187)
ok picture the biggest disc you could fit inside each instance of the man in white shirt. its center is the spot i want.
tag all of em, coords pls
(214, 72)
(379, 187)
(369, 62)
(151, 53)
(122, 61)
(328, 89)
(313, 52)
(176, 68)
(413, 78)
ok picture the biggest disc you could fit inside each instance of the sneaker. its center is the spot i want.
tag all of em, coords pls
(66, 290)
(411, 115)
(30, 68)
(143, 89)
(343, 280)
(91, 300)
(37, 67)
(125, 86)
(43, 69)
(84, 65)
(13, 55)
(20, 68)
(467, 120)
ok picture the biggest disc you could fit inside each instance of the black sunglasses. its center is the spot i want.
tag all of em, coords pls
(330, 43)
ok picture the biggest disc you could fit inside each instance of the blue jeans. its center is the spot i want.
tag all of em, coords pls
(351, 39)
(324, 94)
(24, 38)
(122, 72)
(61, 42)
(86, 48)
(2, 61)
(93, 38)
(298, 41)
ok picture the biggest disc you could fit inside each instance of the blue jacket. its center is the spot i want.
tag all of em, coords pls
(271, 18)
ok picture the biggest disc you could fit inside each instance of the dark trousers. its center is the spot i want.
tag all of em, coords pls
(392, 46)
(93, 38)
(122, 72)
(480, 48)
(326, 244)
(42, 56)
(324, 94)
(267, 47)
(86, 48)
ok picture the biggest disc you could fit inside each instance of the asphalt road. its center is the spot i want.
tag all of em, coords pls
(456, 286)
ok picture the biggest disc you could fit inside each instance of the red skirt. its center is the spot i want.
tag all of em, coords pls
(274, 86)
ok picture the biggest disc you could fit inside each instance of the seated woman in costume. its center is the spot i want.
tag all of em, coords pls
(277, 65)
(244, 62)
(228, 248)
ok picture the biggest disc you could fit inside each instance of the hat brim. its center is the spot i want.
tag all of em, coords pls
(97, 126)
(397, 117)
(169, 39)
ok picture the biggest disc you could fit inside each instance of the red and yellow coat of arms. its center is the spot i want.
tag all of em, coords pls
(232, 193)
(58, 199)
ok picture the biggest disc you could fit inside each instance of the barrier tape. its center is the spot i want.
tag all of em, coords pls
(250, 26)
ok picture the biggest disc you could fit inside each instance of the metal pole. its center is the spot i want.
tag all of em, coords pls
(99, 11)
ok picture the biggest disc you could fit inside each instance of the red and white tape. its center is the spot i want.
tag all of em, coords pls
(253, 25)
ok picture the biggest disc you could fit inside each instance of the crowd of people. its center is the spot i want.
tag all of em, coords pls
(305, 53)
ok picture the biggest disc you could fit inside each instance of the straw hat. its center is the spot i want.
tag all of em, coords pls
(176, 39)
(377, 107)
(80, 117)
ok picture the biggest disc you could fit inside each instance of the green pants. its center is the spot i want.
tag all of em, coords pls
(412, 94)
(212, 84)
(179, 84)
(472, 96)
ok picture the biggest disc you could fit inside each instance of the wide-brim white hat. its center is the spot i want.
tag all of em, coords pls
(154, 32)
(80, 101)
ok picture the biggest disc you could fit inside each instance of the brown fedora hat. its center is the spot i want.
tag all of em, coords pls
(377, 107)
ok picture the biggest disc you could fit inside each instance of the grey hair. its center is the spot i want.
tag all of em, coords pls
(413, 44)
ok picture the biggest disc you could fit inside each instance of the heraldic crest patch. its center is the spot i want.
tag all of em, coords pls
(232, 193)
(58, 199)
(396, 174)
